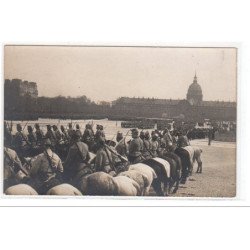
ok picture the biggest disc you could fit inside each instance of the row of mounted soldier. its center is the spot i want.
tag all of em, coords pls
(66, 155)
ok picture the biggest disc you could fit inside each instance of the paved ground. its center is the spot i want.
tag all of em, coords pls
(219, 172)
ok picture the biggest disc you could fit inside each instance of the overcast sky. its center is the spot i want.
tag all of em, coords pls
(106, 73)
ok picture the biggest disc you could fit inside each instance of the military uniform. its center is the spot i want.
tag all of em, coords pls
(168, 139)
(135, 150)
(79, 131)
(65, 136)
(58, 135)
(154, 147)
(76, 160)
(104, 160)
(44, 172)
(7, 136)
(32, 138)
(70, 132)
(12, 165)
(122, 148)
(39, 136)
(20, 142)
(51, 135)
(210, 136)
(146, 149)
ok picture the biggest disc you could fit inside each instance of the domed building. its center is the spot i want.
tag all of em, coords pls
(193, 108)
(194, 94)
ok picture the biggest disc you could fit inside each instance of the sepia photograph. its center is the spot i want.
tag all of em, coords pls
(120, 121)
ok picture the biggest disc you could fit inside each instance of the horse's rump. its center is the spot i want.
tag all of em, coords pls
(64, 189)
(190, 150)
(21, 189)
(158, 167)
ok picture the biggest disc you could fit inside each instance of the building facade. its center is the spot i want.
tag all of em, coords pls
(191, 108)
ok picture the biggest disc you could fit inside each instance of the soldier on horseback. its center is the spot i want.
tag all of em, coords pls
(105, 160)
(135, 148)
(121, 147)
(182, 140)
(154, 144)
(70, 130)
(146, 152)
(88, 136)
(7, 135)
(78, 130)
(39, 134)
(51, 135)
(77, 159)
(20, 140)
(46, 170)
(13, 170)
(65, 135)
(58, 134)
(31, 137)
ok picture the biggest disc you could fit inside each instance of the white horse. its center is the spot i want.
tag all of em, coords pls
(20, 189)
(195, 155)
(64, 189)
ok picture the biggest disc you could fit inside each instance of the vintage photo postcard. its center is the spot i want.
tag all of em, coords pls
(120, 121)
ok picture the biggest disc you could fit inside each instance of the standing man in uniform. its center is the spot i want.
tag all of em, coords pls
(210, 136)
(135, 148)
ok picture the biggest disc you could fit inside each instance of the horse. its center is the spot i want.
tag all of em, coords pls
(20, 189)
(167, 173)
(64, 189)
(197, 158)
(142, 180)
